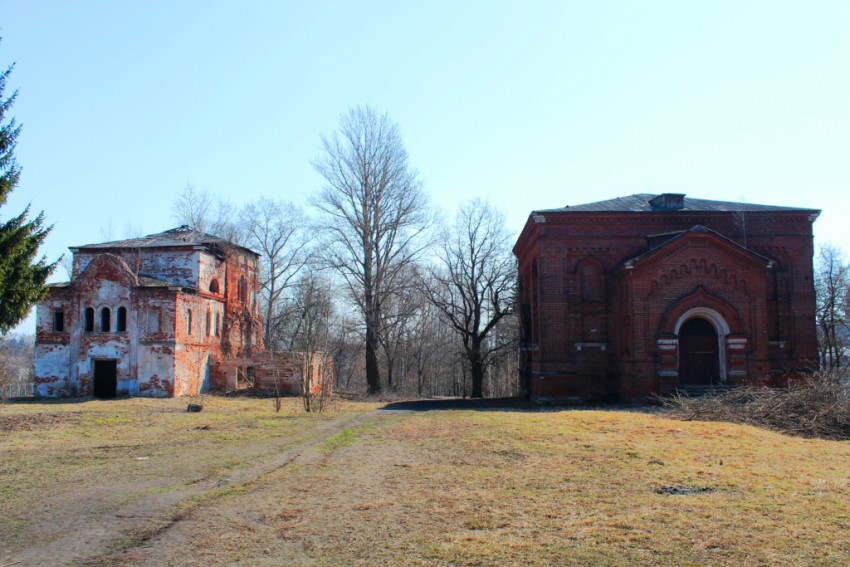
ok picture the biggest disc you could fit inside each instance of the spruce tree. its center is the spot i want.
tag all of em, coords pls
(22, 279)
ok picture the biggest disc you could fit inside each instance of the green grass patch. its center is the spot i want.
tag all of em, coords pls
(337, 441)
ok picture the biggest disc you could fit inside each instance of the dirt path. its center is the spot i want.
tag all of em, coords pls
(93, 533)
(338, 502)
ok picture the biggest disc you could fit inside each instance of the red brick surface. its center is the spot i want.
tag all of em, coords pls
(600, 300)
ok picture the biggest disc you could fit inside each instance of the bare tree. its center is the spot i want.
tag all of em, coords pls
(277, 230)
(832, 286)
(399, 313)
(475, 286)
(375, 216)
(201, 211)
(311, 338)
(16, 364)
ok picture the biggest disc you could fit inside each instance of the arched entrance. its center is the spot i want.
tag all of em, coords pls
(702, 335)
(698, 353)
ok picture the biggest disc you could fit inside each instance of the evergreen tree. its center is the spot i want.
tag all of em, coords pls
(21, 279)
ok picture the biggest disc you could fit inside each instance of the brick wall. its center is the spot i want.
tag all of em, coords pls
(591, 323)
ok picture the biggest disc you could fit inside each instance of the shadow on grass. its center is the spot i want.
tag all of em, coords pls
(509, 404)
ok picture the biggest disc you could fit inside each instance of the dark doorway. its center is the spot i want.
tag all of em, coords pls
(105, 379)
(698, 354)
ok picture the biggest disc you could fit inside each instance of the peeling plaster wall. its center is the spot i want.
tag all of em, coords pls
(156, 370)
(212, 268)
(178, 266)
(52, 376)
(156, 354)
(154, 313)
(52, 349)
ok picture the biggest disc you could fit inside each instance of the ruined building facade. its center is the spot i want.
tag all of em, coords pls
(643, 294)
(168, 314)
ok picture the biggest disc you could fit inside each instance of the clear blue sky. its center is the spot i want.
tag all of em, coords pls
(531, 104)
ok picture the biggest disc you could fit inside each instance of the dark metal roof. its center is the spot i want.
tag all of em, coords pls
(641, 203)
(176, 237)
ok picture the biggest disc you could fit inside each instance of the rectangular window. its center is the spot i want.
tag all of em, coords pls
(152, 323)
(58, 321)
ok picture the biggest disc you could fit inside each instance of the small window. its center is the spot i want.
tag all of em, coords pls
(214, 286)
(243, 290)
(208, 326)
(121, 323)
(89, 320)
(152, 323)
(58, 321)
(188, 321)
(215, 328)
(105, 320)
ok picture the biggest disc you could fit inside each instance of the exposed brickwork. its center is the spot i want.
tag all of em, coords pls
(174, 319)
(602, 293)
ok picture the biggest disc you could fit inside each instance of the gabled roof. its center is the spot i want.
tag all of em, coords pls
(696, 230)
(181, 236)
(641, 203)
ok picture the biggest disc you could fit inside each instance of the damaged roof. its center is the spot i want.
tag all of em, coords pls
(642, 203)
(176, 237)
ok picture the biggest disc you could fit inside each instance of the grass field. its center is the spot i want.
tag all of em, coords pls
(141, 482)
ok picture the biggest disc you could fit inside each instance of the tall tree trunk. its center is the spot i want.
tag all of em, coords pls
(477, 370)
(373, 372)
(390, 365)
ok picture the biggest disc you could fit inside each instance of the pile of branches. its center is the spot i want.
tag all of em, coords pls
(817, 406)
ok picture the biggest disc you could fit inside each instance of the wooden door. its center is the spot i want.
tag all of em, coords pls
(698, 353)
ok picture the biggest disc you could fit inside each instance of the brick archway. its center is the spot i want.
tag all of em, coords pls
(686, 349)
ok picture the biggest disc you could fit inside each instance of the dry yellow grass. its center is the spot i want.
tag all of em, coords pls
(453, 487)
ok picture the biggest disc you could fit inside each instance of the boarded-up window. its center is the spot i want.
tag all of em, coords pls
(591, 274)
(152, 321)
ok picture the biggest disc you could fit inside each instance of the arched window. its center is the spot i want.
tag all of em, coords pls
(121, 323)
(89, 320)
(105, 320)
(188, 321)
(214, 286)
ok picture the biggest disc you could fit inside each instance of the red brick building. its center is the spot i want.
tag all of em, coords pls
(167, 314)
(623, 298)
